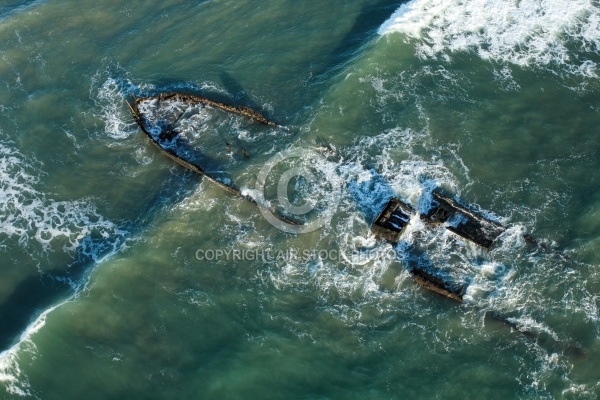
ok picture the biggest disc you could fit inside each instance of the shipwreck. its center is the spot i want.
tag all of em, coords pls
(163, 132)
(389, 225)
(390, 222)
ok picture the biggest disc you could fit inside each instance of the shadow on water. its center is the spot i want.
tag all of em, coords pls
(368, 21)
(29, 298)
(237, 91)
(362, 32)
(39, 292)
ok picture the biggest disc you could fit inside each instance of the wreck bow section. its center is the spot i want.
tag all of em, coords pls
(164, 131)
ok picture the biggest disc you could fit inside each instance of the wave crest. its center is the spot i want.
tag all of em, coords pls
(526, 33)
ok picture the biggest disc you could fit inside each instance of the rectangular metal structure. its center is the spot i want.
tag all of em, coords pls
(392, 221)
(462, 221)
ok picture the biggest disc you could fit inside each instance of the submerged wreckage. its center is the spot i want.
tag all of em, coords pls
(167, 132)
(389, 224)
(469, 224)
(395, 217)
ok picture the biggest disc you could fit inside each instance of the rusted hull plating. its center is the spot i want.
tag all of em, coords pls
(392, 221)
(395, 216)
(193, 99)
(463, 221)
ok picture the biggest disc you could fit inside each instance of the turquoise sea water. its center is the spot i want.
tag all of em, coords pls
(103, 293)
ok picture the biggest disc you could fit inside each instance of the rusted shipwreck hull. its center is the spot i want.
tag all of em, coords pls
(167, 134)
(436, 285)
(189, 99)
(395, 217)
(144, 126)
(192, 99)
(463, 221)
(469, 224)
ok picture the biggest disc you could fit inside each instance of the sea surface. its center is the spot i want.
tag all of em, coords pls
(118, 275)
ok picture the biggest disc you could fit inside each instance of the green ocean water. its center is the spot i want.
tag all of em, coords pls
(103, 293)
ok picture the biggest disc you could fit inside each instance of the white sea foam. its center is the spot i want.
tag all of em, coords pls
(525, 32)
(30, 215)
(110, 99)
(360, 271)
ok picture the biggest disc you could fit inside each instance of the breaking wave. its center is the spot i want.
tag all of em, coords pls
(11, 375)
(538, 33)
